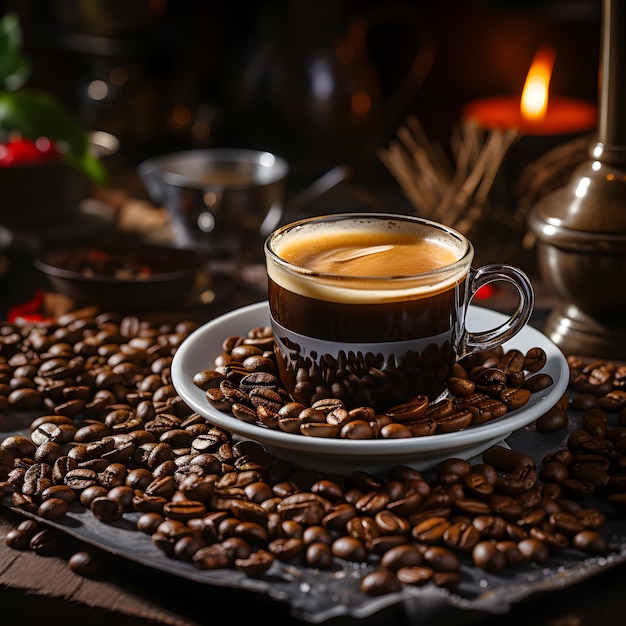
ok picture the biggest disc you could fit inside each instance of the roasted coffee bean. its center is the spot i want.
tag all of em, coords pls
(478, 484)
(186, 547)
(380, 582)
(517, 481)
(88, 495)
(45, 542)
(441, 559)
(511, 552)
(50, 419)
(455, 421)
(113, 475)
(439, 409)
(53, 508)
(84, 563)
(339, 515)
(17, 539)
(260, 363)
(514, 398)
(553, 472)
(349, 548)
(48, 453)
(183, 510)
(25, 398)
(535, 359)
(356, 429)
(257, 380)
(389, 523)
(504, 506)
(312, 534)
(506, 459)
(315, 429)
(381, 544)
(286, 548)
(362, 527)
(217, 399)
(415, 575)
(59, 491)
(423, 427)
(319, 555)
(149, 522)
(372, 502)
(266, 397)
(461, 387)
(214, 556)
(490, 526)
(306, 508)
(595, 423)
(584, 402)
(46, 433)
(513, 360)
(515, 379)
(453, 467)
(91, 432)
(24, 501)
(18, 446)
(337, 417)
(613, 401)
(20, 537)
(491, 381)
(471, 506)
(461, 536)
(431, 530)
(124, 495)
(256, 564)
(534, 550)
(242, 351)
(552, 421)
(538, 382)
(404, 555)
(409, 411)
(106, 510)
(37, 477)
(487, 409)
(486, 555)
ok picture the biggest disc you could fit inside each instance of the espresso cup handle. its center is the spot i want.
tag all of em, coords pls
(486, 339)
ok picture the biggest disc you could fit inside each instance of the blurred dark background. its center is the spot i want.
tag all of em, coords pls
(282, 75)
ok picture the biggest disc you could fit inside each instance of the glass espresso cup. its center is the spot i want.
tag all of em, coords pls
(370, 308)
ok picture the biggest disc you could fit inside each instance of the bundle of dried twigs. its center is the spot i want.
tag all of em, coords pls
(452, 193)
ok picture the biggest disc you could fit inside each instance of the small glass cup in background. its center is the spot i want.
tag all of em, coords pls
(220, 201)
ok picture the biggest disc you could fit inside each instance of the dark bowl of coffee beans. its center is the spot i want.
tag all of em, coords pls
(121, 276)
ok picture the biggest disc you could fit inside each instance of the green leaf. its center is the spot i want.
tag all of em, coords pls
(14, 67)
(35, 114)
(38, 114)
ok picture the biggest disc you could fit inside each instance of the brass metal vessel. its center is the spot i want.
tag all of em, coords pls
(581, 227)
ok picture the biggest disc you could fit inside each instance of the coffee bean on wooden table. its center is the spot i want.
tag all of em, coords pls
(84, 563)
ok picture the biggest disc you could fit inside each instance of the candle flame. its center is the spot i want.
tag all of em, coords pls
(534, 102)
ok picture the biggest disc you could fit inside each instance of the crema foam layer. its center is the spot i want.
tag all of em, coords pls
(365, 261)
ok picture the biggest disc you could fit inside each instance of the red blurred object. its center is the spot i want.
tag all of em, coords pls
(19, 150)
(29, 310)
(486, 291)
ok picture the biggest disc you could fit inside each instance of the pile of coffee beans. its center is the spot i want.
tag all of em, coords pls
(483, 386)
(115, 438)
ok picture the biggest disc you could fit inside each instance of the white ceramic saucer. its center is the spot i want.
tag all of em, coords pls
(339, 456)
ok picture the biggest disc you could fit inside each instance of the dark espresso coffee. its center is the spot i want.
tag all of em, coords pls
(368, 310)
